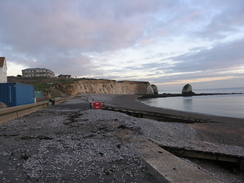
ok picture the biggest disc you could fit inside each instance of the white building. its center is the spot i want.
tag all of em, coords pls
(3, 70)
(37, 72)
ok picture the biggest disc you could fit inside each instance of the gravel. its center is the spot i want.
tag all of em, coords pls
(66, 144)
(71, 143)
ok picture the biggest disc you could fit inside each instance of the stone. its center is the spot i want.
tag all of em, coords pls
(187, 90)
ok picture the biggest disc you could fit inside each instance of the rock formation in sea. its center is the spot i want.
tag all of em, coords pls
(187, 90)
(155, 89)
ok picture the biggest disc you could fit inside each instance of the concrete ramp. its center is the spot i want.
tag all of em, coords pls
(172, 168)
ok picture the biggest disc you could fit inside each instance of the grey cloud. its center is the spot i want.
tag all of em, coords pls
(157, 66)
(60, 34)
(221, 56)
(208, 20)
(47, 31)
(152, 56)
(78, 24)
(228, 19)
(59, 63)
(77, 66)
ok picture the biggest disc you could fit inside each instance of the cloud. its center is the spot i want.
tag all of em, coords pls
(122, 39)
(224, 18)
(222, 56)
(59, 33)
(221, 61)
(31, 26)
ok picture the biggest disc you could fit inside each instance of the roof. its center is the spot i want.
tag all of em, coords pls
(2, 59)
(35, 69)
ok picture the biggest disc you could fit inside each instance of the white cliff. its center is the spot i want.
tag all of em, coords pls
(100, 86)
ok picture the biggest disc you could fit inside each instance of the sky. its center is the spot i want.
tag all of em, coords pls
(168, 43)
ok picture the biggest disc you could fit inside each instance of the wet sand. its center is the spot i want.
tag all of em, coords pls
(223, 130)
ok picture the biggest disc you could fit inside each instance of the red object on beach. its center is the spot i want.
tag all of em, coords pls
(97, 105)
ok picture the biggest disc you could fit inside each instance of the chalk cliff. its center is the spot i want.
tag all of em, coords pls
(101, 86)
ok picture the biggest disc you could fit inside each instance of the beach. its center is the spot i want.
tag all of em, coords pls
(70, 142)
(220, 129)
(224, 133)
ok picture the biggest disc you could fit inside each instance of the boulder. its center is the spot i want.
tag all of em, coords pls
(187, 90)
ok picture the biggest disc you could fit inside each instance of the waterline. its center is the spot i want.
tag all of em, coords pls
(221, 105)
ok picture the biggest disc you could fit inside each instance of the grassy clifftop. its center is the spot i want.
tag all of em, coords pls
(43, 83)
(40, 83)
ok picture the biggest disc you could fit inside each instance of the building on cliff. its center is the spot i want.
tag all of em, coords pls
(64, 76)
(37, 72)
(3, 70)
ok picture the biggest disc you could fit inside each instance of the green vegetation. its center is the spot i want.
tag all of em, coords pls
(40, 83)
(45, 84)
(41, 86)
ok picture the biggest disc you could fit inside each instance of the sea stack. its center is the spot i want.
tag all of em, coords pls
(187, 90)
(155, 89)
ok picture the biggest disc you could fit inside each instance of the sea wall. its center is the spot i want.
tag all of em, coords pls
(100, 86)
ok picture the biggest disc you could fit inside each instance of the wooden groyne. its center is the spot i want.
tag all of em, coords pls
(207, 155)
(156, 115)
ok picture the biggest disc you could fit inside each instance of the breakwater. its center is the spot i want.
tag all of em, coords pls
(164, 95)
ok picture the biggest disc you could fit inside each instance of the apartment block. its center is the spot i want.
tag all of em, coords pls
(37, 72)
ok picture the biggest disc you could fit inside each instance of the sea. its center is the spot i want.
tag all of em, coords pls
(221, 105)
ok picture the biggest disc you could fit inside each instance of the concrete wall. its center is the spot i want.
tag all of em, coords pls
(10, 113)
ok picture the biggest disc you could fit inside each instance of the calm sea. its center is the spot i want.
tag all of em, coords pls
(221, 105)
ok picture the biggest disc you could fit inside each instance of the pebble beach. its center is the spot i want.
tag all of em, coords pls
(70, 142)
